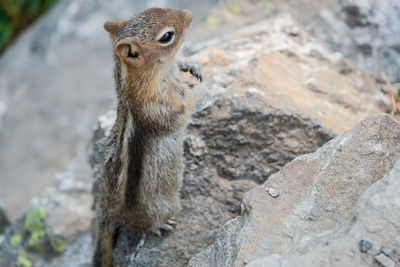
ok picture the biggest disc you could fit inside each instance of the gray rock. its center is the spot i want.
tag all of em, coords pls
(329, 200)
(367, 32)
(364, 245)
(272, 192)
(385, 261)
(388, 250)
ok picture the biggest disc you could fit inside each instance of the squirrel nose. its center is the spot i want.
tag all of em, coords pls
(187, 14)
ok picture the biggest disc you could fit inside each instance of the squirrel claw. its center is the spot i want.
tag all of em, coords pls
(195, 70)
(157, 232)
(193, 67)
(167, 227)
(197, 75)
(172, 221)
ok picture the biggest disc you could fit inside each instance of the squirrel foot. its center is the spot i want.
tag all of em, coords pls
(168, 226)
(193, 66)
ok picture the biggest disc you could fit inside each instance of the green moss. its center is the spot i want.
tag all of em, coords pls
(34, 225)
(22, 260)
(33, 220)
(42, 212)
(34, 242)
(58, 245)
(1, 260)
(15, 239)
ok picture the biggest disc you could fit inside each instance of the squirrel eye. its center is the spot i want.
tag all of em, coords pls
(166, 38)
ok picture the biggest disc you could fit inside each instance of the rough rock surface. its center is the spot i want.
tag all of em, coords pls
(266, 62)
(316, 220)
(366, 31)
(375, 218)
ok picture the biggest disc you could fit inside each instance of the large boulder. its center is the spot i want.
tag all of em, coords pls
(316, 220)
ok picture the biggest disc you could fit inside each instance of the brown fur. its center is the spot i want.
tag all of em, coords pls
(143, 160)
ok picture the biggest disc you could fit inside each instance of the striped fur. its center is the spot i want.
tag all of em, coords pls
(143, 165)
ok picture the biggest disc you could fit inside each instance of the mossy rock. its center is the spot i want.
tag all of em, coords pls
(22, 260)
(34, 225)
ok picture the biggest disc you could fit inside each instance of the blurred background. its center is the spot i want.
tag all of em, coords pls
(56, 68)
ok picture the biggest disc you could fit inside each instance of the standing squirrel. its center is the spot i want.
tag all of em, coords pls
(143, 158)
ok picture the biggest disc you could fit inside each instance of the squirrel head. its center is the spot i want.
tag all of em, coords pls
(147, 42)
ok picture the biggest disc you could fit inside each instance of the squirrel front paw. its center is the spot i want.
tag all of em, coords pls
(193, 66)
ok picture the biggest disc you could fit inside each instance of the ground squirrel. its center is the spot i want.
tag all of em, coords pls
(143, 158)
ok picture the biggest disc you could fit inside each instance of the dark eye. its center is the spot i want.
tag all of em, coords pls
(166, 38)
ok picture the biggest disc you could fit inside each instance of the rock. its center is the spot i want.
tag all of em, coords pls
(385, 261)
(388, 250)
(272, 192)
(329, 200)
(365, 31)
(364, 245)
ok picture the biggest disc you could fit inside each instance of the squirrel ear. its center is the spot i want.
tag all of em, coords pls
(127, 50)
(114, 26)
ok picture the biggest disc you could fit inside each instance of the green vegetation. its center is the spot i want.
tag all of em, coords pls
(34, 225)
(15, 240)
(23, 260)
(16, 15)
(58, 245)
